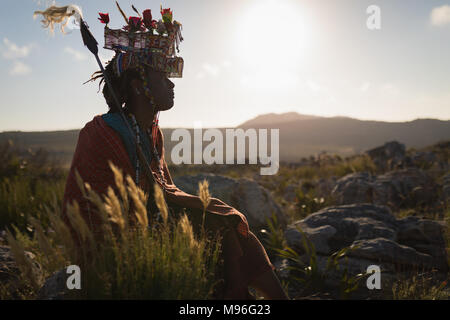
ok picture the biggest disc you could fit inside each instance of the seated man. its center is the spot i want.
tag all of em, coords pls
(139, 80)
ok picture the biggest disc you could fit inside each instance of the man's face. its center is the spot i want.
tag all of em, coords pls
(161, 89)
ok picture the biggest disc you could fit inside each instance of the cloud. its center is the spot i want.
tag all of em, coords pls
(13, 51)
(211, 69)
(440, 16)
(313, 86)
(77, 55)
(20, 69)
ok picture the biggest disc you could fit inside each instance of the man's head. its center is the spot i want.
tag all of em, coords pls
(129, 88)
(160, 89)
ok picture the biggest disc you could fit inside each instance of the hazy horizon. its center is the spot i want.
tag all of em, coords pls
(266, 114)
(242, 59)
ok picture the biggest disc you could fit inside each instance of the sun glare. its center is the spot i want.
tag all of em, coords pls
(273, 34)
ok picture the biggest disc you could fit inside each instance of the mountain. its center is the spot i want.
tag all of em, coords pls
(275, 118)
(300, 135)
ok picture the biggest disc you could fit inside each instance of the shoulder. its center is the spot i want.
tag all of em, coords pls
(97, 139)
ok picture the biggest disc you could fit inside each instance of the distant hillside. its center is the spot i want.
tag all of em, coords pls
(300, 135)
(60, 144)
(275, 118)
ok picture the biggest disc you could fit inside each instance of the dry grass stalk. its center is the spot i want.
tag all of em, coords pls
(205, 197)
(138, 198)
(161, 203)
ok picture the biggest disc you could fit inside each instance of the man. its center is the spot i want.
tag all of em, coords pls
(139, 75)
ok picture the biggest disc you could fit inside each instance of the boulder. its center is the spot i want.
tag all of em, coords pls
(389, 156)
(446, 187)
(373, 236)
(10, 272)
(354, 188)
(403, 188)
(246, 195)
(55, 287)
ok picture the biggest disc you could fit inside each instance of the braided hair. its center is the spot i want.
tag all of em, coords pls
(120, 85)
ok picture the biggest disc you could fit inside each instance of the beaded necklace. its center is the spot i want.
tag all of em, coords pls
(154, 152)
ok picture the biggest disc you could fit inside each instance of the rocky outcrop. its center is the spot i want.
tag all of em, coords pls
(54, 287)
(389, 156)
(374, 237)
(398, 189)
(10, 272)
(354, 188)
(245, 195)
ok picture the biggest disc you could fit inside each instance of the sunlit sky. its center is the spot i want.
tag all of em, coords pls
(242, 58)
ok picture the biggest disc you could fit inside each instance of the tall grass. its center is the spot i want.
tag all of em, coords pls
(419, 287)
(129, 259)
(28, 182)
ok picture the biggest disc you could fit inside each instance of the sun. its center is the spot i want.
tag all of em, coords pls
(273, 34)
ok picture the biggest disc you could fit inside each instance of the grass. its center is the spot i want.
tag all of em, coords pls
(150, 263)
(310, 279)
(28, 182)
(129, 260)
(420, 287)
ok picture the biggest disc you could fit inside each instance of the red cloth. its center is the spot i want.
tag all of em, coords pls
(97, 144)
(245, 257)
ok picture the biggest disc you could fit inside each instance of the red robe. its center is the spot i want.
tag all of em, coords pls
(98, 143)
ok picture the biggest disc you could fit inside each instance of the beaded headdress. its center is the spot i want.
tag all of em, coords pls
(145, 42)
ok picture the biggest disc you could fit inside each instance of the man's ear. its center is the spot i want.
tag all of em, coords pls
(135, 84)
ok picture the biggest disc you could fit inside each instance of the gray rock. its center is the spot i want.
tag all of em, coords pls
(446, 188)
(389, 251)
(55, 287)
(246, 195)
(318, 236)
(354, 188)
(404, 188)
(389, 156)
(376, 237)
(426, 236)
(10, 272)
(401, 188)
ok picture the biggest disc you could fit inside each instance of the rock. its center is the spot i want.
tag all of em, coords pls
(10, 273)
(404, 188)
(389, 251)
(389, 156)
(318, 236)
(446, 187)
(373, 236)
(425, 236)
(246, 195)
(423, 159)
(354, 188)
(55, 287)
(349, 223)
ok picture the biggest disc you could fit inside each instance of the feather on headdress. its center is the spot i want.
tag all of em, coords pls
(54, 15)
